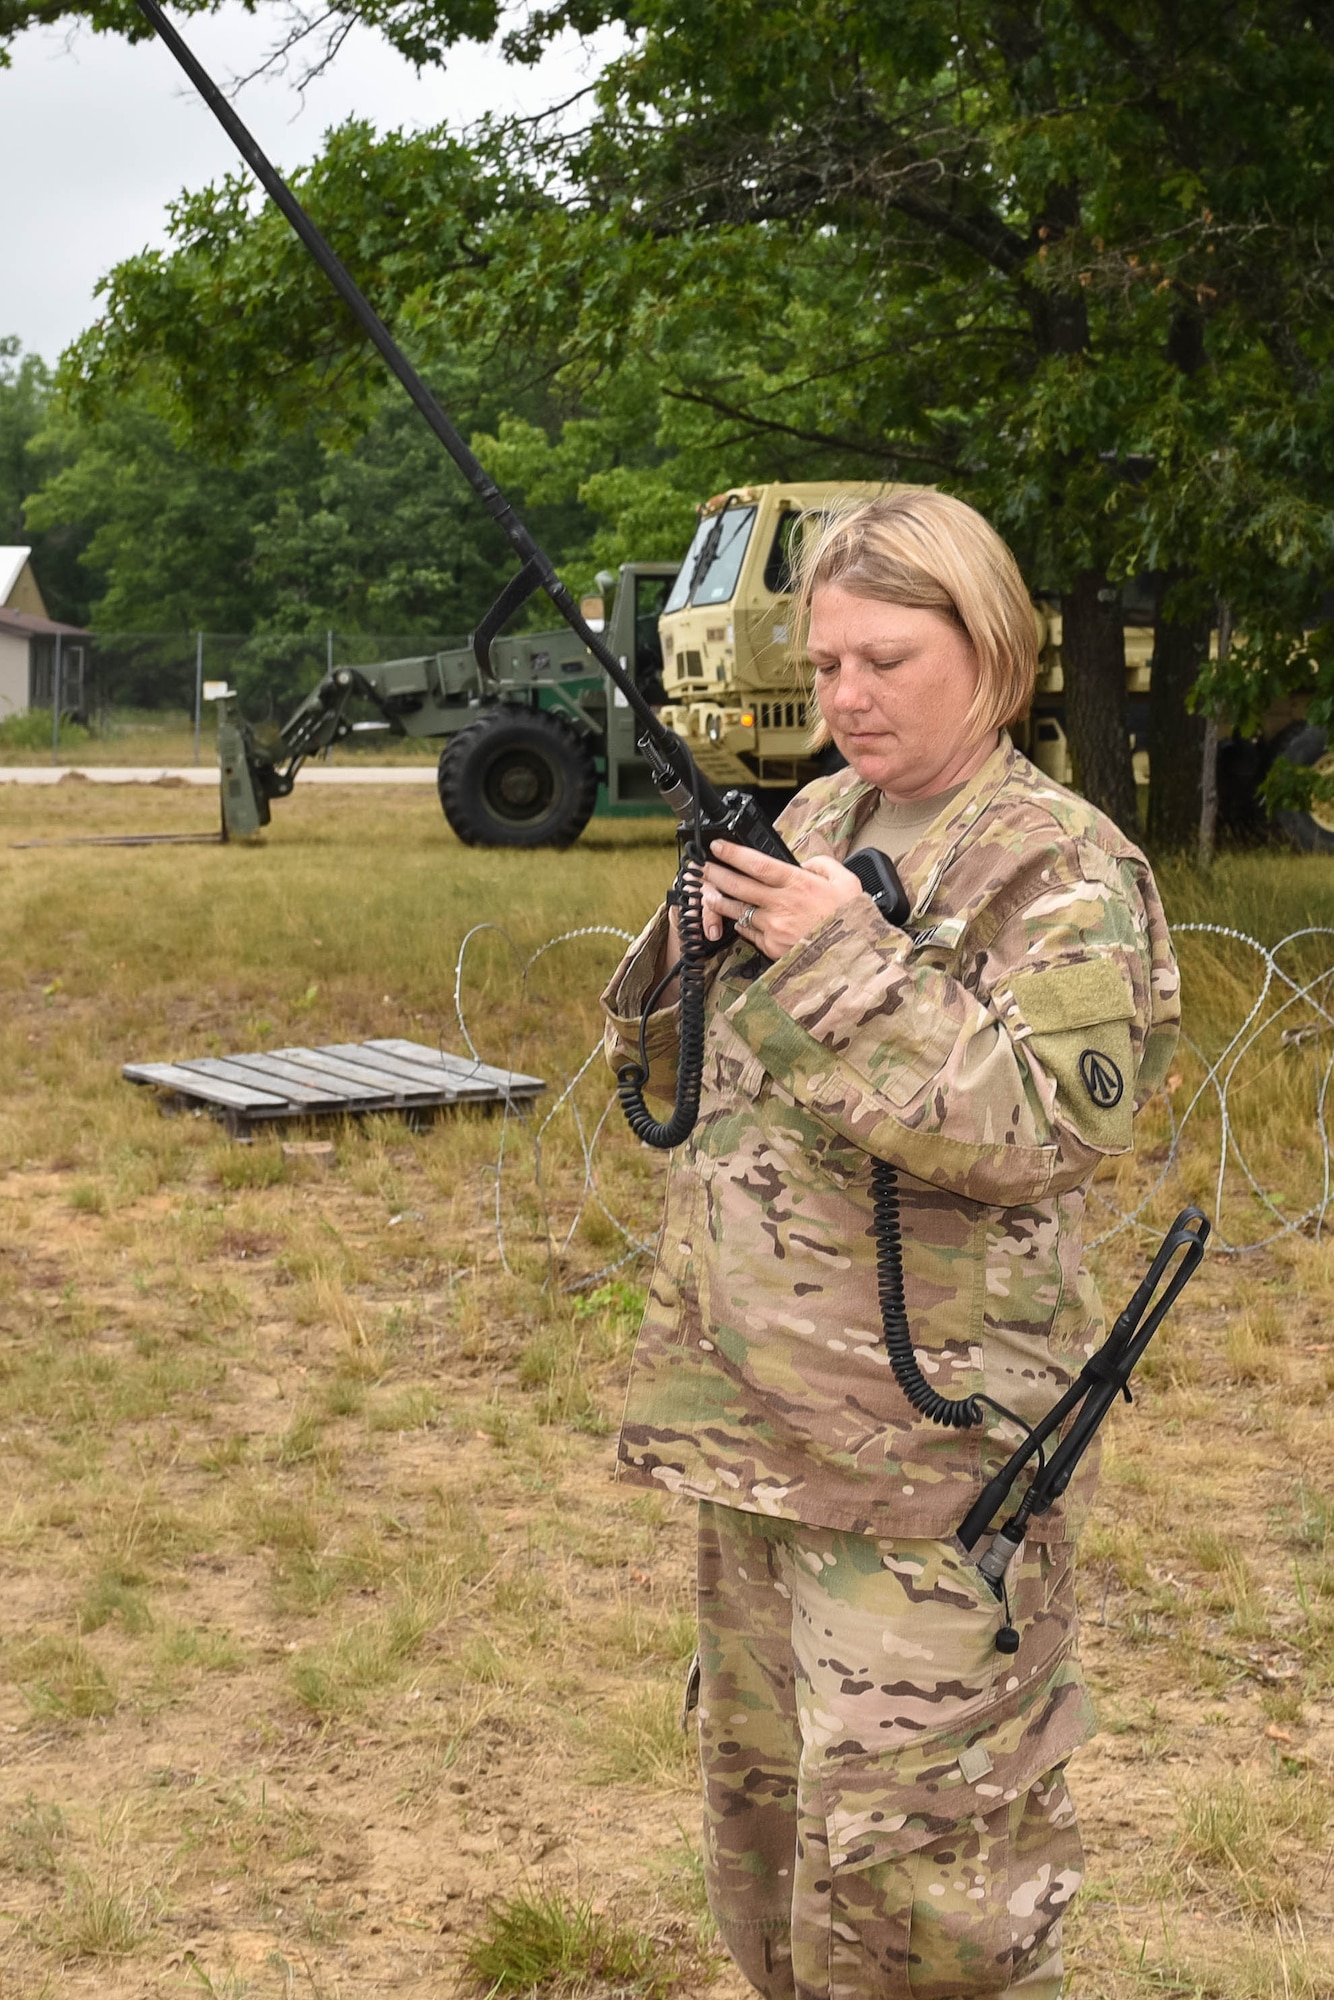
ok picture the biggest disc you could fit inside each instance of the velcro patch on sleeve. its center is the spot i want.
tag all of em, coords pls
(1073, 996)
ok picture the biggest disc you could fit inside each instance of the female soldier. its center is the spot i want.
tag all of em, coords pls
(885, 1806)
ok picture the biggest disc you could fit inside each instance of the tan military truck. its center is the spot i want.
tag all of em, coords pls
(733, 688)
(733, 692)
(736, 694)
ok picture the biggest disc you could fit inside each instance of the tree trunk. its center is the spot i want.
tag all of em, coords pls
(1093, 655)
(1176, 737)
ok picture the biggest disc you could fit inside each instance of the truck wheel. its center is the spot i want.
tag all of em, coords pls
(517, 778)
(1312, 832)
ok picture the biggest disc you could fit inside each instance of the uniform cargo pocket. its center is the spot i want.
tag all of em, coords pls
(971, 1911)
(981, 1756)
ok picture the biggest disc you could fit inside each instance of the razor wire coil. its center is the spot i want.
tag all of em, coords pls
(1292, 1010)
(1220, 1076)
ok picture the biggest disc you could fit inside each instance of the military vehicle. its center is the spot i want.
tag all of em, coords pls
(538, 740)
(732, 688)
(734, 692)
(731, 683)
(535, 737)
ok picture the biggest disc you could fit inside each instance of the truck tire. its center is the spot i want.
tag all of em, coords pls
(517, 778)
(1312, 832)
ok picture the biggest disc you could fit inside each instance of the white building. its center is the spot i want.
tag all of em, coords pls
(35, 649)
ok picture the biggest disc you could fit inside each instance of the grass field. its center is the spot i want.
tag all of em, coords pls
(333, 1663)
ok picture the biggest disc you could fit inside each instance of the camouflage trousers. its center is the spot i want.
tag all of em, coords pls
(886, 1815)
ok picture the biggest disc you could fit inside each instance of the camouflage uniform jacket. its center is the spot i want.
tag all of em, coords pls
(993, 1051)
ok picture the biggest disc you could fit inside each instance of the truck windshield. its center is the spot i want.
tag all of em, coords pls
(709, 573)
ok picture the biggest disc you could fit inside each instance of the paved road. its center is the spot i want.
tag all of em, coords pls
(189, 774)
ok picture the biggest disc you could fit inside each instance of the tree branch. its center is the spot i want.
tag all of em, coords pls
(823, 439)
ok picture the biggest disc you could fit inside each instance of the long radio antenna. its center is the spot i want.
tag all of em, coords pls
(542, 574)
(682, 784)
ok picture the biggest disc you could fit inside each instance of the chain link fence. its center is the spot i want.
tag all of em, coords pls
(138, 697)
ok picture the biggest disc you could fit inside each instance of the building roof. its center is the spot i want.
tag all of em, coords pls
(12, 559)
(26, 624)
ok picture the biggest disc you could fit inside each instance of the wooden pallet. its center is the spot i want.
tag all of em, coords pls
(341, 1078)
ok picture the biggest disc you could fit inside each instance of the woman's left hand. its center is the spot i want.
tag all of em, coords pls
(773, 904)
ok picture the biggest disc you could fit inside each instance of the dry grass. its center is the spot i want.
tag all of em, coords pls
(330, 1647)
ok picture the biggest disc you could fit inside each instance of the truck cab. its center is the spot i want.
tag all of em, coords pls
(733, 685)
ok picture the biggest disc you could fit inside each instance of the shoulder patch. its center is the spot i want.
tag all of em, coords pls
(1078, 1019)
(1101, 1078)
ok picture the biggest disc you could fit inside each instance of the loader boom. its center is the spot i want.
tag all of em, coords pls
(529, 747)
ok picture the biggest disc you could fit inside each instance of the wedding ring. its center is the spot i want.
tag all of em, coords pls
(747, 918)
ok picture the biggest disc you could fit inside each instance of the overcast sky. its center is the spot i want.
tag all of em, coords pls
(97, 136)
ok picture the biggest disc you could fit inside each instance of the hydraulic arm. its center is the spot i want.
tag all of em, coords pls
(253, 773)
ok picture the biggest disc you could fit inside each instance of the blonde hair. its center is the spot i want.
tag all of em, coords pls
(922, 548)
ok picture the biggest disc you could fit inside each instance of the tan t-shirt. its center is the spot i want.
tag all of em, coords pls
(894, 827)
